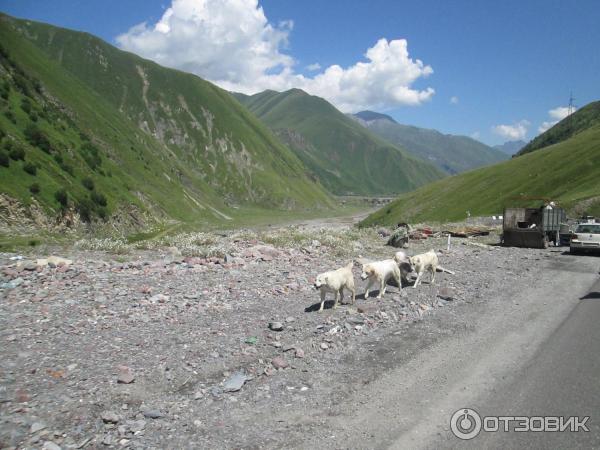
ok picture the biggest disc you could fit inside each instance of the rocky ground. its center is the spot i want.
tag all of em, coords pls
(214, 341)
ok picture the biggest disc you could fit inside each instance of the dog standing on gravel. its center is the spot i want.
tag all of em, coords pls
(381, 272)
(421, 263)
(336, 281)
(403, 264)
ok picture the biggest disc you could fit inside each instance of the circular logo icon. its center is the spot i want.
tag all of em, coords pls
(465, 423)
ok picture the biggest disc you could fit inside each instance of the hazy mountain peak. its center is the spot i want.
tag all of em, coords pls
(370, 116)
(510, 147)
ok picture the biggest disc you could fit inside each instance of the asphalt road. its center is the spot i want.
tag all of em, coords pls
(562, 379)
(533, 352)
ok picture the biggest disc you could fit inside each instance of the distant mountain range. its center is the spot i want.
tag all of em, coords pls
(451, 154)
(343, 155)
(566, 170)
(510, 147)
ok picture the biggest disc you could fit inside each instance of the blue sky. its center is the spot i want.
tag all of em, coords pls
(509, 65)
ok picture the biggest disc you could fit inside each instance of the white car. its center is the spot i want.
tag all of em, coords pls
(586, 238)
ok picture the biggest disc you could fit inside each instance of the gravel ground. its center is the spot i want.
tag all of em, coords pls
(152, 349)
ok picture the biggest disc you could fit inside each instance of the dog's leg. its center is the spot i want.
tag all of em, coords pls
(398, 278)
(369, 284)
(353, 291)
(335, 303)
(419, 275)
(341, 296)
(322, 300)
(432, 274)
(382, 286)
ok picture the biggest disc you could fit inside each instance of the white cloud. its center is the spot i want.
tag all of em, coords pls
(476, 135)
(314, 67)
(231, 43)
(454, 100)
(513, 132)
(558, 114)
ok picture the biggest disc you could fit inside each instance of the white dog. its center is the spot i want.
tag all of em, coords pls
(403, 264)
(335, 281)
(380, 271)
(421, 263)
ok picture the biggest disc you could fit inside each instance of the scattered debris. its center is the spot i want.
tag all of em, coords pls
(110, 417)
(125, 375)
(279, 363)
(276, 326)
(152, 414)
(235, 382)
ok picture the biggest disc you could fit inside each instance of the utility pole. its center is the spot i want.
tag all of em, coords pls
(571, 109)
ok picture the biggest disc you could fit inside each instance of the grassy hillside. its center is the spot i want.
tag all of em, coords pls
(95, 121)
(345, 157)
(452, 154)
(580, 120)
(568, 172)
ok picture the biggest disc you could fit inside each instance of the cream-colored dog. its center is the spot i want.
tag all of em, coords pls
(421, 263)
(335, 281)
(403, 264)
(380, 271)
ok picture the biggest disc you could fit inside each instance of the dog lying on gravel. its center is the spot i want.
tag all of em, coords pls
(380, 271)
(421, 263)
(336, 281)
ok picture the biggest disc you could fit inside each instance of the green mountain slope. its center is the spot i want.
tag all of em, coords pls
(580, 120)
(568, 172)
(152, 140)
(344, 156)
(452, 154)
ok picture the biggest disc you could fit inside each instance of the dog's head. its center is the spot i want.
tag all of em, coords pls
(321, 281)
(400, 257)
(367, 271)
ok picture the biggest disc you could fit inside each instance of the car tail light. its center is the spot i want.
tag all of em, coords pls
(574, 236)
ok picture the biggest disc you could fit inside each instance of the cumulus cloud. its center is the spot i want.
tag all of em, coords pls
(557, 114)
(514, 132)
(313, 67)
(231, 43)
(454, 100)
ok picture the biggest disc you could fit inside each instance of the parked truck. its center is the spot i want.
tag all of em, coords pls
(532, 227)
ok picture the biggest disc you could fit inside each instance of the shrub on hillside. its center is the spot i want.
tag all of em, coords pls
(85, 208)
(26, 105)
(67, 168)
(91, 155)
(35, 188)
(88, 183)
(17, 153)
(98, 198)
(62, 197)
(36, 137)
(31, 169)
(10, 116)
(4, 159)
